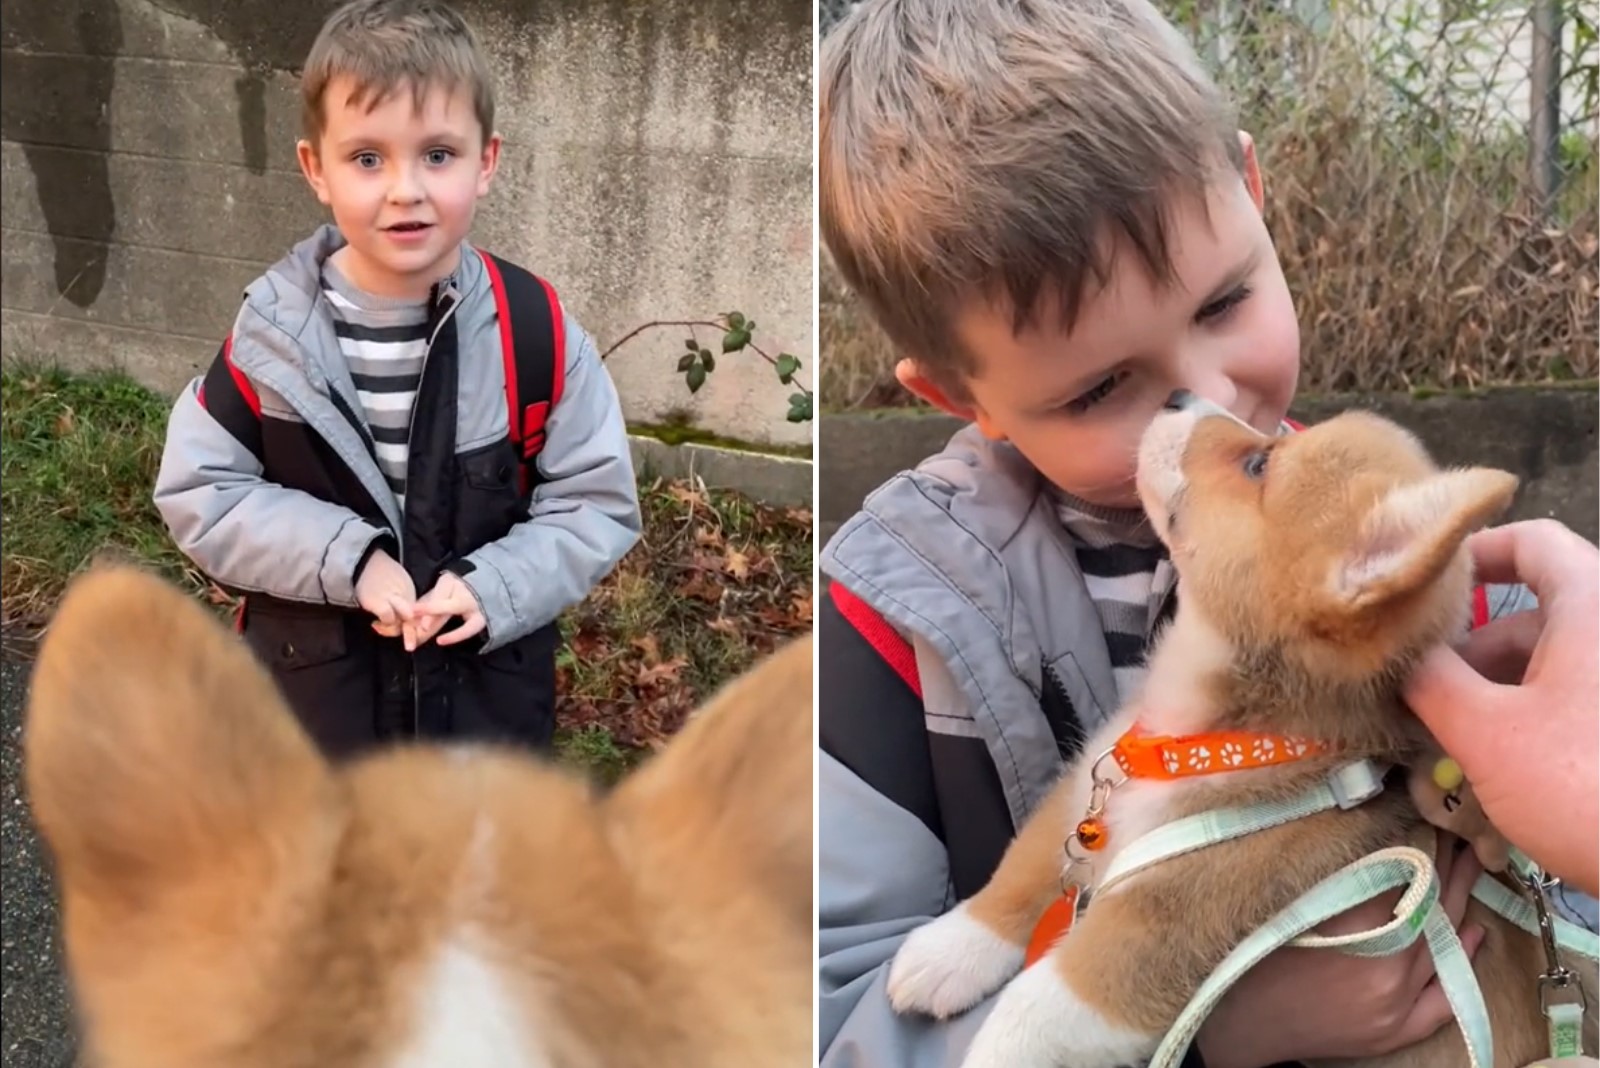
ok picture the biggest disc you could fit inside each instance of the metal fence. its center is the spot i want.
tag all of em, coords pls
(1431, 177)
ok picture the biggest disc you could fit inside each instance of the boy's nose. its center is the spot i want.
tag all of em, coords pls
(1180, 399)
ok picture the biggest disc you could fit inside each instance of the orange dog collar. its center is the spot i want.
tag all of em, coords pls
(1159, 756)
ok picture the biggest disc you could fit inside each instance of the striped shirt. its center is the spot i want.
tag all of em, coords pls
(1128, 576)
(383, 342)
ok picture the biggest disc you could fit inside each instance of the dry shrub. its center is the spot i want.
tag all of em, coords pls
(1395, 146)
(1401, 201)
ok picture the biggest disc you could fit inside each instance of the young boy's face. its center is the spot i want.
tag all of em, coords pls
(1076, 403)
(402, 181)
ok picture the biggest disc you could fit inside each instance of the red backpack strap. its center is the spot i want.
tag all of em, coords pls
(884, 639)
(1480, 606)
(231, 400)
(533, 347)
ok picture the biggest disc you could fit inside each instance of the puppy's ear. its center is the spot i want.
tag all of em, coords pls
(1413, 532)
(158, 753)
(733, 789)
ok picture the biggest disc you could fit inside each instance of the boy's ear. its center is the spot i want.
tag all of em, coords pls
(1414, 531)
(909, 373)
(488, 163)
(311, 167)
(1252, 171)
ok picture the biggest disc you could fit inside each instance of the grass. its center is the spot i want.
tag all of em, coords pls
(717, 580)
(79, 460)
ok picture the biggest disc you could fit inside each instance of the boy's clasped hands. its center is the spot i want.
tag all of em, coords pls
(385, 590)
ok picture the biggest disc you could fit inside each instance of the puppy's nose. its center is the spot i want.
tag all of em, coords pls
(1180, 399)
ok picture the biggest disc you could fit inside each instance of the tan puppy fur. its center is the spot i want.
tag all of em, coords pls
(1314, 570)
(232, 901)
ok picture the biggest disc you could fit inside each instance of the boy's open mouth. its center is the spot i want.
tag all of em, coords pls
(407, 227)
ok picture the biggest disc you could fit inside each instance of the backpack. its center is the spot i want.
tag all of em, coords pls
(533, 346)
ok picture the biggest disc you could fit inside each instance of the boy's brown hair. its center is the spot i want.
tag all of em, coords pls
(1002, 150)
(388, 45)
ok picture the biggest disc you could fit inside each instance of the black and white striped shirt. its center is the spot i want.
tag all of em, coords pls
(1128, 576)
(383, 342)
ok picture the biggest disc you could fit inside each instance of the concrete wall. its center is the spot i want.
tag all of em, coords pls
(657, 166)
(1545, 437)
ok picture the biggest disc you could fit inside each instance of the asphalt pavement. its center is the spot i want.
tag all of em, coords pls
(34, 1020)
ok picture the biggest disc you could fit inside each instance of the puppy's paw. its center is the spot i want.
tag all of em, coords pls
(1039, 1022)
(949, 965)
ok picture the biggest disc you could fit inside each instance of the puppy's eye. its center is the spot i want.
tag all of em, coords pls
(1255, 465)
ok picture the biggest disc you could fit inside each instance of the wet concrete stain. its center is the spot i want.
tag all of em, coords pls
(52, 89)
(74, 186)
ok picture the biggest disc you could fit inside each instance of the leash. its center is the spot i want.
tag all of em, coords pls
(1418, 913)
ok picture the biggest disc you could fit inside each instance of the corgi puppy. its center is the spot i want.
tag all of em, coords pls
(1314, 570)
(231, 900)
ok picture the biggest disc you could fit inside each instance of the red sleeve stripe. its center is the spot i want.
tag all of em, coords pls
(246, 390)
(558, 326)
(884, 639)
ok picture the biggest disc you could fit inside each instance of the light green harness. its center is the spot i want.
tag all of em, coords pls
(1418, 913)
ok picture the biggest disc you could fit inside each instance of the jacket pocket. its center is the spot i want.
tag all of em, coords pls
(288, 640)
(328, 680)
(509, 694)
(489, 496)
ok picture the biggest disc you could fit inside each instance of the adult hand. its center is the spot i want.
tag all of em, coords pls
(1308, 1004)
(1517, 706)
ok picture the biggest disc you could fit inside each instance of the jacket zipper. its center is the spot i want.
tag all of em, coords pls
(343, 407)
(450, 300)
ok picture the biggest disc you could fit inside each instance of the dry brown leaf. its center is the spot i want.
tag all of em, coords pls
(736, 564)
(656, 674)
(683, 493)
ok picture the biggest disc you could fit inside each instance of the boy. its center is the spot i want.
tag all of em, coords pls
(1049, 209)
(349, 461)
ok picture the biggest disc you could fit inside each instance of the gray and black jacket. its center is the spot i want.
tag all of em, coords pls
(269, 484)
(933, 755)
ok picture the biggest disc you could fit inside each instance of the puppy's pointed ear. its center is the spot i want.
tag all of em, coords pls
(158, 752)
(1413, 532)
(734, 787)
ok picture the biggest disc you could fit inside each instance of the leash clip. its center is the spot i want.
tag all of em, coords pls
(1558, 985)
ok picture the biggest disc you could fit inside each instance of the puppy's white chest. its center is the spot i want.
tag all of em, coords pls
(467, 1018)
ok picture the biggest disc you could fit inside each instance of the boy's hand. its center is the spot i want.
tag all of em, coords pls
(449, 597)
(1309, 1004)
(385, 590)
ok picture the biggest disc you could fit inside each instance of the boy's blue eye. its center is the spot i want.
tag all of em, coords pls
(366, 160)
(1223, 304)
(1098, 393)
(440, 156)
